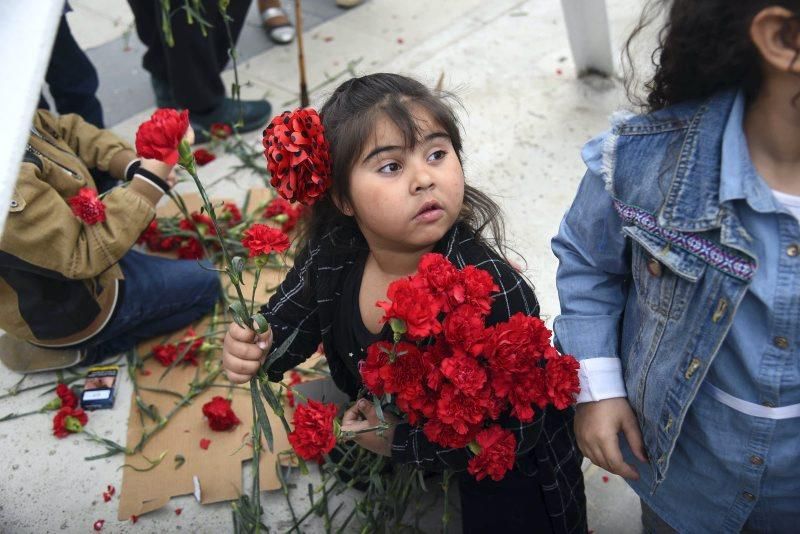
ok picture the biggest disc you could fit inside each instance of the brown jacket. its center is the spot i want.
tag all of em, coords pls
(59, 278)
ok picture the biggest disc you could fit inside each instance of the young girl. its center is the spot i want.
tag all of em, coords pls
(680, 277)
(397, 193)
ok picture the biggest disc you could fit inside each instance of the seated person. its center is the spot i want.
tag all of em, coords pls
(71, 288)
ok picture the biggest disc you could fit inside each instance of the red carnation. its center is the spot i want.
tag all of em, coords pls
(68, 398)
(459, 410)
(87, 206)
(370, 367)
(497, 454)
(562, 382)
(478, 287)
(405, 375)
(283, 212)
(165, 354)
(465, 373)
(220, 414)
(415, 306)
(294, 379)
(220, 130)
(313, 434)
(445, 435)
(69, 421)
(159, 137)
(190, 249)
(262, 240)
(464, 330)
(203, 156)
(298, 156)
(199, 222)
(439, 275)
(230, 213)
(515, 345)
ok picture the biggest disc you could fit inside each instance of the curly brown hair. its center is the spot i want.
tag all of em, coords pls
(703, 47)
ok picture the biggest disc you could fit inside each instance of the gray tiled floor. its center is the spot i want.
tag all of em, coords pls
(125, 85)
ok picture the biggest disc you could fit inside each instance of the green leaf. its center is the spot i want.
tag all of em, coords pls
(239, 314)
(281, 351)
(261, 322)
(179, 461)
(237, 265)
(261, 414)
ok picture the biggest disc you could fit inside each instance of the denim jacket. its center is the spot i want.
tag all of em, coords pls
(666, 274)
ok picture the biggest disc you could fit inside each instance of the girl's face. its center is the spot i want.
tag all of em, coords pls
(406, 199)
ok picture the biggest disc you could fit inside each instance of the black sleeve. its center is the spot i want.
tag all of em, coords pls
(410, 445)
(294, 307)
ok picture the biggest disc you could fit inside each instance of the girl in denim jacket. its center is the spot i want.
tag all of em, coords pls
(679, 276)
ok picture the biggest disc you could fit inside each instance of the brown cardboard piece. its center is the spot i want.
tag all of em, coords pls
(219, 468)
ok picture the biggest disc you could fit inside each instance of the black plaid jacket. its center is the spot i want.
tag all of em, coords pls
(308, 300)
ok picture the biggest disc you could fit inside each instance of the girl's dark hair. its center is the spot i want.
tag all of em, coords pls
(704, 47)
(350, 116)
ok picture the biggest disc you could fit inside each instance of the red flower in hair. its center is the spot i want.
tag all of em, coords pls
(262, 240)
(87, 207)
(69, 421)
(68, 398)
(159, 137)
(313, 430)
(203, 156)
(497, 455)
(220, 414)
(298, 156)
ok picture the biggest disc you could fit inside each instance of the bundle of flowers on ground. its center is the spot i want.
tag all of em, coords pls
(453, 376)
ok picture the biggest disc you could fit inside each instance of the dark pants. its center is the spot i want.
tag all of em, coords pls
(72, 79)
(193, 65)
(513, 505)
(160, 296)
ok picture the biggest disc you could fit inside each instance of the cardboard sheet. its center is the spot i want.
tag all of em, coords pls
(219, 468)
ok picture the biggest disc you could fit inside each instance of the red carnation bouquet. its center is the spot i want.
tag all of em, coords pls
(453, 376)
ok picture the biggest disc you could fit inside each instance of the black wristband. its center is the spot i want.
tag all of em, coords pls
(133, 166)
(152, 177)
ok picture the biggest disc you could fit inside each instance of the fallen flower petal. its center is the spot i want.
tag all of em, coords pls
(178, 511)
(204, 443)
(111, 490)
(605, 479)
(134, 518)
(106, 497)
(98, 525)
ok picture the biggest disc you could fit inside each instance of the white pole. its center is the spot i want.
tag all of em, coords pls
(27, 31)
(589, 37)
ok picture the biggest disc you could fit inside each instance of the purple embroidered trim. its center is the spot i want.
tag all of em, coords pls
(706, 250)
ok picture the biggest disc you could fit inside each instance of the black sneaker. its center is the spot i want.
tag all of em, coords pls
(254, 115)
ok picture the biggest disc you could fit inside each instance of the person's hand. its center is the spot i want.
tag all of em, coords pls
(362, 415)
(597, 425)
(243, 352)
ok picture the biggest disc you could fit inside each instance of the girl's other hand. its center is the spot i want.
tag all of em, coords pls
(243, 352)
(362, 415)
(597, 425)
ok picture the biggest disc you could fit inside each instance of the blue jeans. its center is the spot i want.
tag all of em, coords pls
(159, 296)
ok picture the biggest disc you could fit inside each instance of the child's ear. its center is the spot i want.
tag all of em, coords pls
(775, 32)
(343, 205)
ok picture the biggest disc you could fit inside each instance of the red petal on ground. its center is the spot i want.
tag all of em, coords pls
(204, 443)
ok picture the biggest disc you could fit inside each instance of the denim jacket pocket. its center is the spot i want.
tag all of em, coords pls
(665, 276)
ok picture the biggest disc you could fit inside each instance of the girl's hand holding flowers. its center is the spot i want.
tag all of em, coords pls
(243, 352)
(362, 415)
